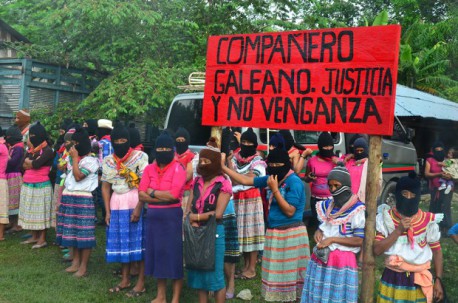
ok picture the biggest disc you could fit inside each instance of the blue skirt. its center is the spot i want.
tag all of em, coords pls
(211, 280)
(76, 220)
(164, 244)
(125, 239)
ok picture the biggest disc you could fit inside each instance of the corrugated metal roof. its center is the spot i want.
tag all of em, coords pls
(413, 103)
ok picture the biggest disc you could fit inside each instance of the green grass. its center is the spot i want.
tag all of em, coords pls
(28, 275)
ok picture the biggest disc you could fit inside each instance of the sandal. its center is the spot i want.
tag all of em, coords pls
(118, 288)
(243, 277)
(134, 294)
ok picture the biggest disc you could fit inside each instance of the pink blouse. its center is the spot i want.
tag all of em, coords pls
(321, 169)
(225, 188)
(3, 160)
(171, 178)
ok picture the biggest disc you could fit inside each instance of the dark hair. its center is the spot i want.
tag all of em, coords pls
(454, 152)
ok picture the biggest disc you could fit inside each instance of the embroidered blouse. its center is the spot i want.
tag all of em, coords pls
(136, 163)
(89, 166)
(350, 223)
(257, 166)
(425, 236)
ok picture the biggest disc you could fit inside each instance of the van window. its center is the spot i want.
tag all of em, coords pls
(306, 137)
(188, 114)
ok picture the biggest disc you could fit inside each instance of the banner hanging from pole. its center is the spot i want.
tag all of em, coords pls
(340, 79)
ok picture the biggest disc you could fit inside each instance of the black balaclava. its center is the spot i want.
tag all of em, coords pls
(37, 134)
(164, 141)
(63, 126)
(182, 146)
(212, 153)
(278, 155)
(289, 140)
(342, 194)
(278, 141)
(134, 134)
(91, 126)
(408, 207)
(325, 139)
(360, 143)
(248, 150)
(351, 143)
(1, 132)
(83, 143)
(226, 138)
(102, 132)
(120, 132)
(13, 135)
(438, 155)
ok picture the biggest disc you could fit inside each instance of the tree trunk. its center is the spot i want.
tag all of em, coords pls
(372, 191)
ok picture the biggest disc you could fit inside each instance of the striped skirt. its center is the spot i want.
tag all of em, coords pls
(14, 190)
(55, 203)
(336, 281)
(76, 220)
(284, 262)
(4, 202)
(398, 287)
(232, 250)
(250, 220)
(125, 239)
(35, 206)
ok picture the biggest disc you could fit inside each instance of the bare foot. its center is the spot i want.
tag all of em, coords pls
(80, 274)
(72, 268)
(159, 300)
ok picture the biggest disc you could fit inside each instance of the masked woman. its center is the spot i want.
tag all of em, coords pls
(209, 197)
(440, 201)
(410, 239)
(317, 170)
(76, 221)
(122, 171)
(286, 251)
(339, 236)
(36, 191)
(15, 145)
(248, 203)
(162, 187)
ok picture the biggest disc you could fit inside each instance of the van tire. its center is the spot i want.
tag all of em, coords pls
(389, 194)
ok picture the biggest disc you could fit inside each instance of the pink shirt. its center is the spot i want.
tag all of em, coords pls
(321, 169)
(171, 178)
(3, 160)
(434, 168)
(356, 171)
(226, 187)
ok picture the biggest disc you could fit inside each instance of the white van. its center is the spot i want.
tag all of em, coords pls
(398, 152)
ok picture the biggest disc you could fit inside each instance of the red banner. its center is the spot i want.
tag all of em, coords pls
(341, 79)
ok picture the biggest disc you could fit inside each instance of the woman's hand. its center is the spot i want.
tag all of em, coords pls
(238, 136)
(318, 236)
(404, 224)
(325, 243)
(272, 182)
(73, 152)
(438, 292)
(135, 217)
(107, 218)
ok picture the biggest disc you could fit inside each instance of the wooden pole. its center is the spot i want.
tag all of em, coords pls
(217, 132)
(372, 192)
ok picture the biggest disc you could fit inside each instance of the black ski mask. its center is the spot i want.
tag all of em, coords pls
(37, 134)
(248, 150)
(342, 194)
(324, 140)
(439, 155)
(405, 206)
(134, 134)
(13, 135)
(91, 126)
(289, 140)
(83, 143)
(182, 146)
(120, 132)
(164, 141)
(278, 155)
(361, 143)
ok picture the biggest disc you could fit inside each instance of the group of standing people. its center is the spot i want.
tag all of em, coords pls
(257, 203)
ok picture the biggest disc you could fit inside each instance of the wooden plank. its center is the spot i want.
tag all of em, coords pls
(10, 72)
(372, 191)
(6, 81)
(58, 87)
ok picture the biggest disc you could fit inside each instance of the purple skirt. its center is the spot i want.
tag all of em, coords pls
(164, 245)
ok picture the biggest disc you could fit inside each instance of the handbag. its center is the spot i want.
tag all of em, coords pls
(199, 245)
(322, 253)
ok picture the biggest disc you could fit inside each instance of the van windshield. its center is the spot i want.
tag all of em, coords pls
(187, 113)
